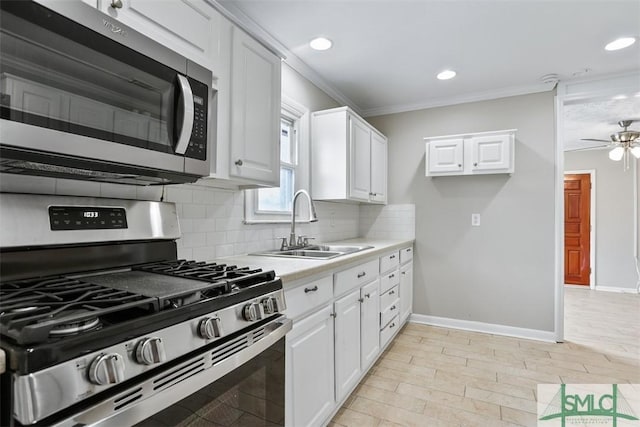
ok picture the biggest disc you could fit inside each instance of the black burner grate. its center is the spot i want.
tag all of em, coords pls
(34, 310)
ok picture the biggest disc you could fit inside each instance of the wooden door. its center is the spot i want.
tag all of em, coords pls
(577, 229)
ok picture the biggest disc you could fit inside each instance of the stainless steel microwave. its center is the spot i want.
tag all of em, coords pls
(86, 97)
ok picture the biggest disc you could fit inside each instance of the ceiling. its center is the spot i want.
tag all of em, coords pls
(386, 53)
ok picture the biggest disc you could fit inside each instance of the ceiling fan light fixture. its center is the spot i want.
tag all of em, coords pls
(636, 152)
(616, 154)
(620, 43)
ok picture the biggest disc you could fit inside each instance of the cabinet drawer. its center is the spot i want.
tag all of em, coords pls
(388, 331)
(355, 276)
(406, 255)
(388, 262)
(388, 297)
(389, 313)
(389, 280)
(305, 298)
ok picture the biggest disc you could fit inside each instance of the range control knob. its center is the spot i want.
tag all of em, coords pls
(270, 305)
(150, 351)
(209, 328)
(107, 369)
(252, 312)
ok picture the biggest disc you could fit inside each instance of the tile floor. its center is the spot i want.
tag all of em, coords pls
(432, 376)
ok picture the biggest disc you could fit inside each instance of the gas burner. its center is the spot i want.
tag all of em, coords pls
(75, 327)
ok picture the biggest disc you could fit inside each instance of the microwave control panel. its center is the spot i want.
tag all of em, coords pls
(197, 148)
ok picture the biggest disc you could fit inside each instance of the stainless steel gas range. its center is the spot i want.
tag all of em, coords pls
(103, 325)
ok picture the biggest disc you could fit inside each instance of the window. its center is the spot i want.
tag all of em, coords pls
(278, 200)
(274, 204)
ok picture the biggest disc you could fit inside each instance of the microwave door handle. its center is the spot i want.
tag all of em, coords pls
(186, 97)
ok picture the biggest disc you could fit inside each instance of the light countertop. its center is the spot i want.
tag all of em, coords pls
(291, 269)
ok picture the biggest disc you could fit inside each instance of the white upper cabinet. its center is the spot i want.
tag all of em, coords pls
(445, 155)
(255, 112)
(185, 26)
(348, 157)
(470, 154)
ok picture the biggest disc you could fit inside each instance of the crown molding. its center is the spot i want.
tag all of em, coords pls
(461, 99)
(232, 12)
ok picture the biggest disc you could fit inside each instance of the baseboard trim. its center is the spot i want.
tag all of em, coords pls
(487, 328)
(616, 289)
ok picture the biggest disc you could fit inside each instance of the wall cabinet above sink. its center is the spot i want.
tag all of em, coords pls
(348, 157)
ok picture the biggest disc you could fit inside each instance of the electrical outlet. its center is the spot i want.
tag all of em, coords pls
(475, 219)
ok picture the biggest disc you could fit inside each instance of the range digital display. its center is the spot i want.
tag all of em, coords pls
(86, 218)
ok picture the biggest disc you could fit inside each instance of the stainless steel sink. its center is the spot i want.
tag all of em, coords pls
(314, 251)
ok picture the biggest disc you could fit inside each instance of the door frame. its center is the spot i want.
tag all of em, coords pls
(592, 224)
(574, 91)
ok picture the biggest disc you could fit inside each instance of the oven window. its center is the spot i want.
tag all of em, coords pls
(251, 395)
(60, 75)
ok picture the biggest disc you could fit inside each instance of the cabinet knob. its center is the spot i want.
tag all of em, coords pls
(475, 164)
(367, 295)
(361, 300)
(116, 4)
(239, 162)
(459, 165)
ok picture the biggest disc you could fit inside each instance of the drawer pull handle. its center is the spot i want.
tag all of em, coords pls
(392, 325)
(307, 290)
(392, 292)
(409, 250)
(362, 274)
(392, 257)
(391, 276)
(404, 272)
(393, 307)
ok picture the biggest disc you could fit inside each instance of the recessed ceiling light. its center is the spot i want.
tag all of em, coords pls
(620, 43)
(320, 43)
(446, 75)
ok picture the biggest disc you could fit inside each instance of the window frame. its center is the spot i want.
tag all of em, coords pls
(300, 116)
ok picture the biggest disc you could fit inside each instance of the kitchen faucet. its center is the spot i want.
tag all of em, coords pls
(312, 216)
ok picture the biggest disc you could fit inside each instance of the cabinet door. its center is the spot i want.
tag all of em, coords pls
(360, 160)
(378, 168)
(347, 336)
(185, 26)
(255, 111)
(445, 156)
(369, 323)
(491, 152)
(309, 390)
(406, 290)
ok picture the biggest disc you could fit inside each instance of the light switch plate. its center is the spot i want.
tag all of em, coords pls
(475, 219)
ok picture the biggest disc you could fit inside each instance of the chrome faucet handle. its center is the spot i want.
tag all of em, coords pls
(284, 245)
(304, 240)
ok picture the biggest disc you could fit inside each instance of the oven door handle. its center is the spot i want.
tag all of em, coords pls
(111, 413)
(186, 99)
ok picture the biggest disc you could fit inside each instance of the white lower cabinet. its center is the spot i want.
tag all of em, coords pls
(347, 341)
(406, 290)
(309, 374)
(369, 323)
(355, 312)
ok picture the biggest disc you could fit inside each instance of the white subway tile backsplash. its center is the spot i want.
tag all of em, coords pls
(388, 222)
(117, 191)
(178, 194)
(27, 184)
(72, 187)
(149, 192)
(194, 211)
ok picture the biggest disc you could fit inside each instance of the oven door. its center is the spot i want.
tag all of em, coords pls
(239, 382)
(90, 88)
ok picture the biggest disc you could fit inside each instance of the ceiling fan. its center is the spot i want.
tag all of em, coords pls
(622, 143)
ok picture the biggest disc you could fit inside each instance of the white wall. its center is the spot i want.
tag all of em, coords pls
(615, 217)
(503, 271)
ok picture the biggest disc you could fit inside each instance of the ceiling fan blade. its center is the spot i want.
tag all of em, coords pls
(595, 147)
(597, 140)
